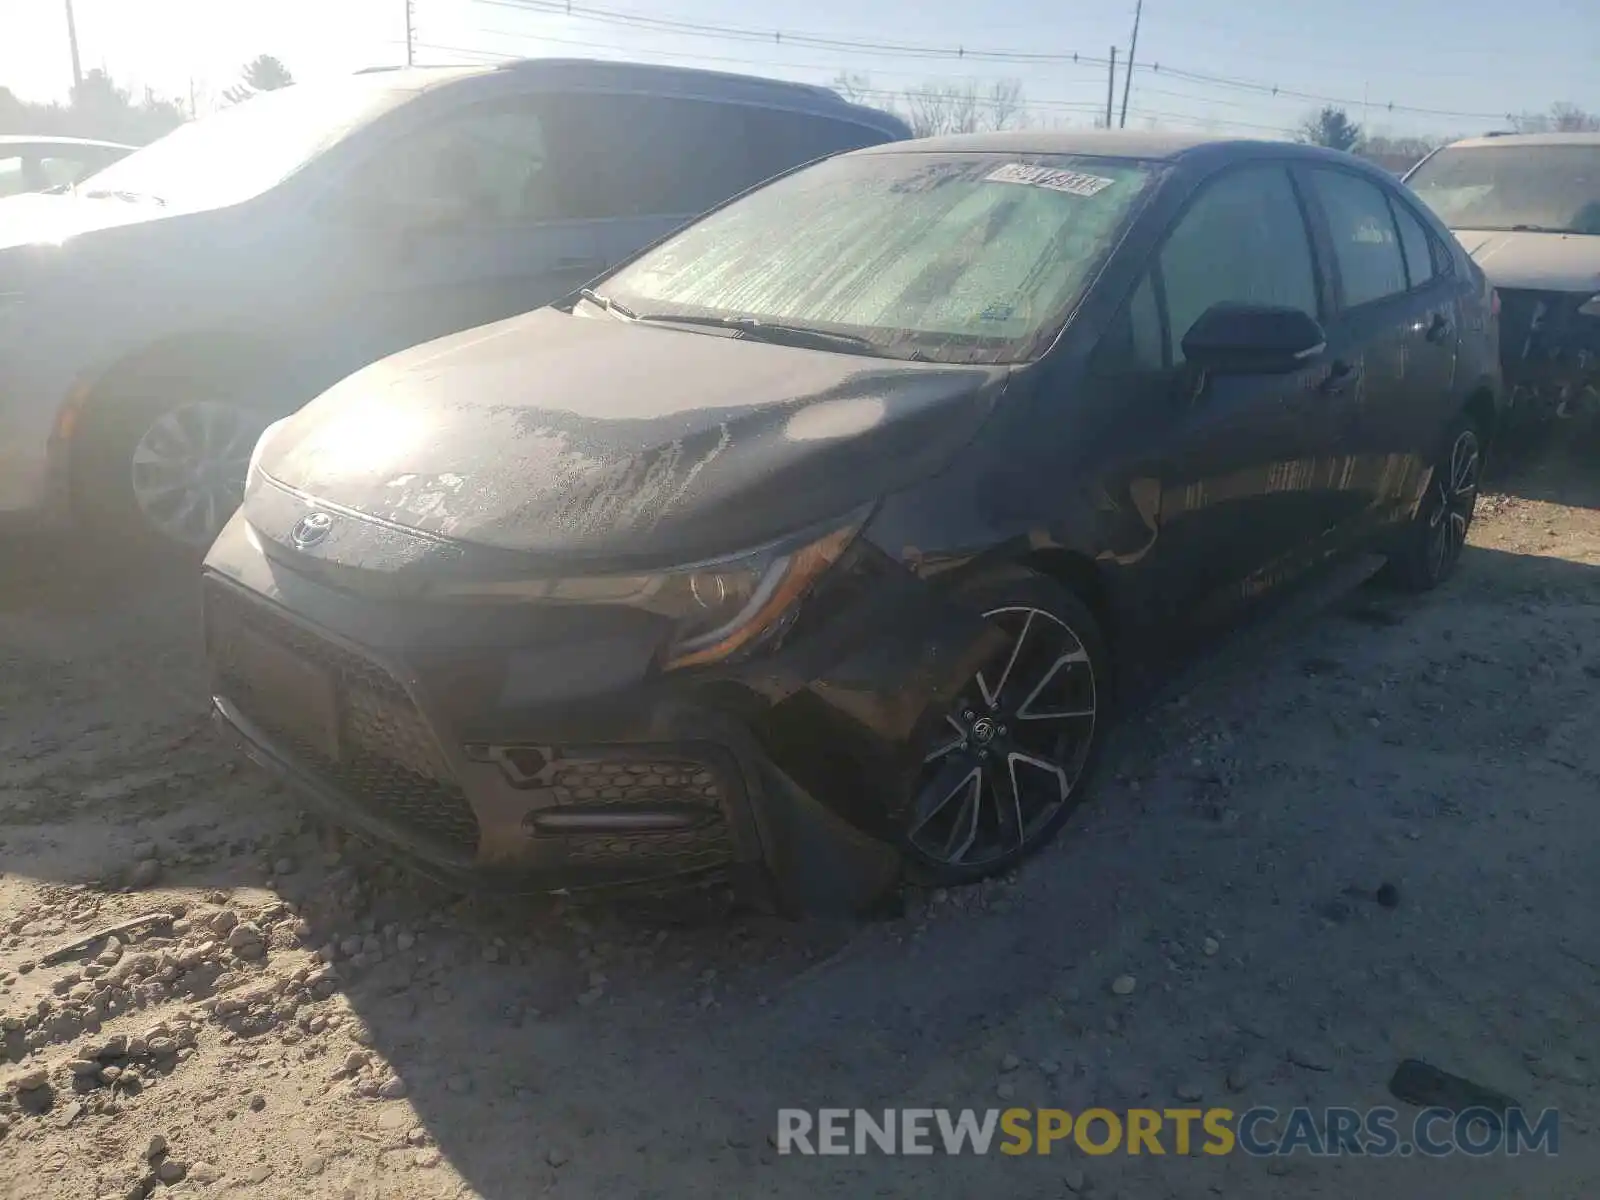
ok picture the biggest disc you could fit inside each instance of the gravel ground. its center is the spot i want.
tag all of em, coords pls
(298, 1018)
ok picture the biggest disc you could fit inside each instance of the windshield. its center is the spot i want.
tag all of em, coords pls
(949, 257)
(240, 152)
(1502, 187)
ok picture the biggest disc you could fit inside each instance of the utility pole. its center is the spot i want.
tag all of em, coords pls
(411, 41)
(72, 41)
(1127, 79)
(1111, 86)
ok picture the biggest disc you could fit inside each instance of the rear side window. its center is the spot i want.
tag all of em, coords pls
(1416, 243)
(1365, 244)
(12, 179)
(638, 156)
(780, 139)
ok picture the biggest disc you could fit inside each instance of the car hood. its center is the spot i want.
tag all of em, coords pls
(1548, 262)
(38, 218)
(581, 438)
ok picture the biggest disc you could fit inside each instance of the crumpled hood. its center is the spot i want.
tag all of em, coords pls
(1547, 262)
(36, 218)
(586, 438)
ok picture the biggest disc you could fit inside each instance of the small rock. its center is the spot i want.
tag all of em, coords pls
(405, 939)
(556, 1158)
(1123, 985)
(316, 1165)
(284, 866)
(31, 1080)
(156, 1148)
(1188, 1091)
(1240, 1076)
(259, 1173)
(427, 1159)
(84, 1066)
(1388, 896)
(1006, 1090)
(491, 954)
(1010, 1062)
(393, 1089)
(245, 933)
(172, 1171)
(417, 1136)
(163, 1047)
(145, 873)
(110, 1074)
(1210, 946)
(1049, 1068)
(257, 1102)
(204, 1173)
(1309, 1058)
(355, 1060)
(1073, 1178)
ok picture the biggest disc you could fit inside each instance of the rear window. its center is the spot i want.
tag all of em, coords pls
(1551, 188)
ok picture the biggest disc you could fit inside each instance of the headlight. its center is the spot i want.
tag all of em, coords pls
(260, 446)
(719, 608)
(1591, 306)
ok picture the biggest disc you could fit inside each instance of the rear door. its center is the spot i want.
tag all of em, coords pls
(1391, 344)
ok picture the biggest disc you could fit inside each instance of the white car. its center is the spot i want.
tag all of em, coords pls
(1527, 208)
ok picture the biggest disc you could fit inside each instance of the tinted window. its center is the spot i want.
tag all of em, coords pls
(1134, 342)
(1364, 241)
(1242, 240)
(490, 164)
(637, 156)
(780, 140)
(1416, 243)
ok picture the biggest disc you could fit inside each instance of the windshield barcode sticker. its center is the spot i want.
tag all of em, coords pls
(1074, 183)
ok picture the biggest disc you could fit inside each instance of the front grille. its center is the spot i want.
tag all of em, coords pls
(622, 783)
(389, 762)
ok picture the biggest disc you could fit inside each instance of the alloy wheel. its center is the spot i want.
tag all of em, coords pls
(188, 469)
(1455, 496)
(1010, 754)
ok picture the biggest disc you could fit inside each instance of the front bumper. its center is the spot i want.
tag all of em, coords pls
(1550, 353)
(523, 761)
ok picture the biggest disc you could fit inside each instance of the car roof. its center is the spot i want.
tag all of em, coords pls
(608, 74)
(1527, 139)
(22, 139)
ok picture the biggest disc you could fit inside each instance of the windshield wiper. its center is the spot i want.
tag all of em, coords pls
(607, 303)
(777, 332)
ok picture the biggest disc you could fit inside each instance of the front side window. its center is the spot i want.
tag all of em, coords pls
(242, 151)
(1365, 243)
(14, 179)
(1554, 188)
(953, 257)
(1243, 240)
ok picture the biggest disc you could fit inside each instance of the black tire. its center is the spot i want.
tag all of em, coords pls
(128, 415)
(1431, 545)
(1047, 785)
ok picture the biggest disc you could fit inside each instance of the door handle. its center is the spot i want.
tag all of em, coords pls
(1342, 376)
(1438, 328)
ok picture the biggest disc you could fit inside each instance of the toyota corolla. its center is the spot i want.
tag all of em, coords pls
(813, 543)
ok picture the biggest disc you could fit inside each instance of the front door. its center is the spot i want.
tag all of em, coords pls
(1240, 459)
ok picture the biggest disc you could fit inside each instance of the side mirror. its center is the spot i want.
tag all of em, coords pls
(1253, 339)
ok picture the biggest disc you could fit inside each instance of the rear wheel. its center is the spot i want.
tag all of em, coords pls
(1006, 764)
(162, 458)
(1432, 544)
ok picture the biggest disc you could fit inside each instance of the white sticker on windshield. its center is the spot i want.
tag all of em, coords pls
(1074, 183)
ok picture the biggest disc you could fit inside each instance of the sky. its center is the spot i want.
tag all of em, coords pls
(1469, 62)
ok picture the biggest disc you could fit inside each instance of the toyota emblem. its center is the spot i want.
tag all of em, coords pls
(310, 530)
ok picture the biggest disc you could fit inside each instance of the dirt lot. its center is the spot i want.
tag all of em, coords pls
(1229, 864)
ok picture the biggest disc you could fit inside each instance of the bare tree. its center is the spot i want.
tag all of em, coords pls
(1561, 118)
(962, 108)
(854, 86)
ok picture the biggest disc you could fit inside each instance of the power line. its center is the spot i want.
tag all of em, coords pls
(900, 49)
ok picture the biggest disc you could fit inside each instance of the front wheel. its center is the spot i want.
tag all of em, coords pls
(1005, 765)
(164, 464)
(1432, 544)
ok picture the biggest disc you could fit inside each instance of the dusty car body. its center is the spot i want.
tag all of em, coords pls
(813, 541)
(1527, 208)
